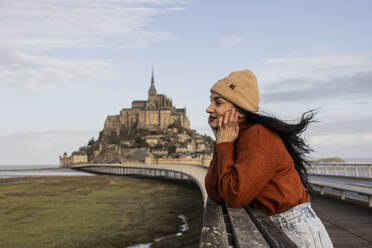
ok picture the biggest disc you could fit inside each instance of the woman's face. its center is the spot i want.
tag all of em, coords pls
(218, 107)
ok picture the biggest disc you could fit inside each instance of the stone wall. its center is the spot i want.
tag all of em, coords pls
(146, 119)
(112, 123)
(116, 154)
(180, 161)
(79, 159)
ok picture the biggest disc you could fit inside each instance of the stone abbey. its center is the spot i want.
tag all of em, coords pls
(157, 112)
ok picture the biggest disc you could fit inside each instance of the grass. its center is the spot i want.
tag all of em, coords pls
(100, 211)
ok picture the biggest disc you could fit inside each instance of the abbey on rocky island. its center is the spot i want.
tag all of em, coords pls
(152, 131)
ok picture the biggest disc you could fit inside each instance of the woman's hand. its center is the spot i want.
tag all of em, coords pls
(228, 128)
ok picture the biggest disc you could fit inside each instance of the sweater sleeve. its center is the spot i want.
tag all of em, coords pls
(211, 180)
(245, 170)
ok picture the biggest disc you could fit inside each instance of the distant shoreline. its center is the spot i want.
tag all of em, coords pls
(32, 169)
(18, 173)
(29, 167)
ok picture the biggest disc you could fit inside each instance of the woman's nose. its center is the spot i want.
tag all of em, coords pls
(209, 109)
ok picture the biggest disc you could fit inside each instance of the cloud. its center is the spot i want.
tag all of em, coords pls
(41, 147)
(341, 139)
(231, 40)
(81, 23)
(342, 125)
(311, 68)
(343, 135)
(357, 86)
(342, 145)
(20, 70)
(174, 9)
(31, 32)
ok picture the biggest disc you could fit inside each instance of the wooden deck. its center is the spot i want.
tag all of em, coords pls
(348, 224)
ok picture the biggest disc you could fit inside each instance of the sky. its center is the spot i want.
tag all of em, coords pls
(66, 65)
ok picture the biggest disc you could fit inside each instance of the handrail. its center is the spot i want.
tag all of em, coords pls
(357, 171)
(222, 226)
(343, 188)
(360, 170)
(273, 235)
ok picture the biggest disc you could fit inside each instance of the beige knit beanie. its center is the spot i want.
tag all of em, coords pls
(240, 88)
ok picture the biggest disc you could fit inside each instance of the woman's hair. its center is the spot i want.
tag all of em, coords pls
(290, 134)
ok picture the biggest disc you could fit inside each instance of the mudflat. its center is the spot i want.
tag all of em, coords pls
(99, 211)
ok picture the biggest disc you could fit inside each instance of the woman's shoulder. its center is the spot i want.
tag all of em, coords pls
(260, 136)
(258, 131)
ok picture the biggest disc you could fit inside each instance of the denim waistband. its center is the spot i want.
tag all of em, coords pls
(299, 210)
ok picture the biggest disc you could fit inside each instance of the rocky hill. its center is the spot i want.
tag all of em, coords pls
(136, 144)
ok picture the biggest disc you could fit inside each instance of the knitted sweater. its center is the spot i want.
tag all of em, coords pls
(256, 169)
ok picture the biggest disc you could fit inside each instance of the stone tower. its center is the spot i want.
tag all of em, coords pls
(152, 94)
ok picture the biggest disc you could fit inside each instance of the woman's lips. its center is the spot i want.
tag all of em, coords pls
(211, 118)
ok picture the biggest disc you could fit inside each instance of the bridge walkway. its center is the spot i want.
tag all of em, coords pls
(197, 172)
(348, 224)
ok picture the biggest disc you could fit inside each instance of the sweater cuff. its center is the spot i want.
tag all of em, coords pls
(225, 154)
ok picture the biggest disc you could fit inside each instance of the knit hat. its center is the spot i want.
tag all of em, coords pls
(240, 88)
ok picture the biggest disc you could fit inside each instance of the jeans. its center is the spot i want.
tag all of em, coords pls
(303, 227)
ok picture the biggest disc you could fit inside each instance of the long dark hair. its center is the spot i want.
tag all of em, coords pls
(290, 134)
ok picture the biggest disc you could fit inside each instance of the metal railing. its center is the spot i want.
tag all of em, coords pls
(222, 226)
(359, 172)
(347, 170)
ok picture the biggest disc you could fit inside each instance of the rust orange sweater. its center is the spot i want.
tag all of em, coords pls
(256, 169)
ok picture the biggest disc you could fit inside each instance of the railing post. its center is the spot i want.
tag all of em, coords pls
(335, 170)
(342, 194)
(318, 169)
(321, 190)
(326, 168)
(369, 171)
(345, 170)
(357, 171)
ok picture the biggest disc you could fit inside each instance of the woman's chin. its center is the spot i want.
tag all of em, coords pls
(213, 124)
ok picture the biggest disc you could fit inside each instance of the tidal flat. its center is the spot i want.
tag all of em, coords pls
(97, 211)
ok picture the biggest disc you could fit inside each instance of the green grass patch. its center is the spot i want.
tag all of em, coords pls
(99, 211)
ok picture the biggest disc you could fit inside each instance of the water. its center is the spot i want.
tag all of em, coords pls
(182, 228)
(28, 166)
(13, 171)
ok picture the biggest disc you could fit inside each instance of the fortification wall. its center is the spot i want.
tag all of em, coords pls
(112, 123)
(180, 161)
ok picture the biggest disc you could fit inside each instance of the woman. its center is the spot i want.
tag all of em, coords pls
(259, 160)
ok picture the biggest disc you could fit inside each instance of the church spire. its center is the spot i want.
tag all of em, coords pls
(152, 76)
(152, 86)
